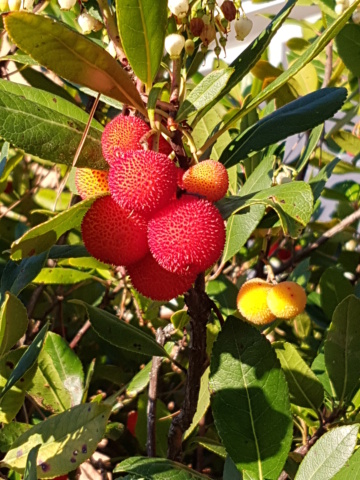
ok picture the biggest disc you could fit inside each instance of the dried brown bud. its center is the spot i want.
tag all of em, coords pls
(208, 34)
(229, 10)
(196, 26)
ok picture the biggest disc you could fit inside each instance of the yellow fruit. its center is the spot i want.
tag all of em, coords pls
(252, 301)
(286, 300)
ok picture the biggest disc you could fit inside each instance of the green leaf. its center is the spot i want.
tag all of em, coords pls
(13, 322)
(224, 294)
(61, 276)
(26, 361)
(202, 404)
(351, 469)
(17, 276)
(248, 58)
(240, 227)
(250, 401)
(43, 236)
(310, 146)
(4, 157)
(204, 93)
(319, 368)
(48, 126)
(348, 47)
(58, 381)
(211, 445)
(305, 389)
(334, 287)
(292, 202)
(342, 348)
(329, 454)
(31, 461)
(318, 182)
(297, 116)
(157, 469)
(230, 470)
(142, 27)
(81, 60)
(347, 141)
(10, 432)
(122, 334)
(67, 440)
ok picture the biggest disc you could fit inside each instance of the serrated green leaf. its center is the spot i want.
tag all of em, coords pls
(250, 401)
(122, 334)
(204, 93)
(81, 60)
(293, 203)
(240, 227)
(13, 322)
(297, 116)
(304, 388)
(348, 47)
(58, 381)
(351, 469)
(202, 404)
(329, 454)
(142, 28)
(67, 440)
(48, 126)
(43, 236)
(26, 361)
(342, 348)
(61, 276)
(157, 469)
(30, 472)
(334, 287)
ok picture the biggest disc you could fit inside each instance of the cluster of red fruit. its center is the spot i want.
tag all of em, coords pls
(157, 220)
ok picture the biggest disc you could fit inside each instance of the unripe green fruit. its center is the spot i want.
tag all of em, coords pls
(189, 46)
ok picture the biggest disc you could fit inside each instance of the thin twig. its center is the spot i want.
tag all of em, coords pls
(112, 31)
(80, 334)
(328, 65)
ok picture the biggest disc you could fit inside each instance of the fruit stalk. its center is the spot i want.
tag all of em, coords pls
(199, 309)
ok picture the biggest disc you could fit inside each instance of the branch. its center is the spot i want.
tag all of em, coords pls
(346, 222)
(112, 30)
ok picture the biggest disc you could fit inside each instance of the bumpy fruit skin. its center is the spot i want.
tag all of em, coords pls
(187, 236)
(114, 235)
(91, 182)
(123, 134)
(208, 178)
(143, 181)
(153, 281)
(252, 301)
(286, 300)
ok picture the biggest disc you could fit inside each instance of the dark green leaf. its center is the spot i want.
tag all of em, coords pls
(211, 445)
(348, 47)
(297, 116)
(342, 348)
(31, 461)
(58, 381)
(157, 469)
(305, 389)
(43, 236)
(68, 251)
(122, 334)
(318, 182)
(202, 404)
(230, 470)
(27, 360)
(250, 401)
(48, 126)
(204, 93)
(81, 60)
(319, 368)
(142, 27)
(329, 454)
(334, 287)
(3, 157)
(310, 146)
(10, 432)
(63, 276)
(79, 429)
(13, 322)
(224, 293)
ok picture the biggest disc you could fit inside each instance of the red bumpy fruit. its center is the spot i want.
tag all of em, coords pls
(123, 134)
(91, 182)
(208, 178)
(153, 281)
(113, 234)
(143, 181)
(187, 236)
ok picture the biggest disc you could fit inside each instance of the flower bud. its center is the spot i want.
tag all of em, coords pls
(66, 4)
(229, 10)
(4, 6)
(356, 16)
(339, 8)
(88, 23)
(174, 44)
(283, 177)
(179, 8)
(208, 34)
(28, 4)
(189, 46)
(14, 5)
(196, 26)
(243, 27)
